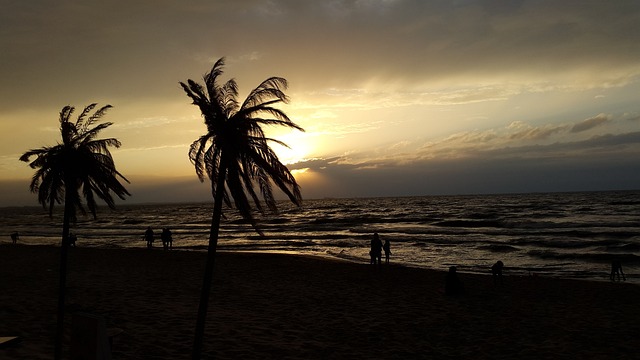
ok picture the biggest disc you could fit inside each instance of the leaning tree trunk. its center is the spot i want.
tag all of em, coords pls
(208, 271)
(62, 282)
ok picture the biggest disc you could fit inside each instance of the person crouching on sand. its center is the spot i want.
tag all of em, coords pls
(452, 284)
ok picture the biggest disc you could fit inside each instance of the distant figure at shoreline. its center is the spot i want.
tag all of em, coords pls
(452, 284)
(616, 270)
(496, 271)
(167, 241)
(376, 250)
(72, 239)
(387, 250)
(148, 237)
(15, 237)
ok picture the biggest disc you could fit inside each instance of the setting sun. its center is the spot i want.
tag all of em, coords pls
(299, 148)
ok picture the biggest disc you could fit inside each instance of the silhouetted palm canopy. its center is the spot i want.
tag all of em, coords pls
(235, 155)
(80, 162)
(235, 142)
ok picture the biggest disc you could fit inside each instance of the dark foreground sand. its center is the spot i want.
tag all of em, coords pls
(284, 306)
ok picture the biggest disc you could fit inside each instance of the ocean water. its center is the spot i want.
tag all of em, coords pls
(572, 235)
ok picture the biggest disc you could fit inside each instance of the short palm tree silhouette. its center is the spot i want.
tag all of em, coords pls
(80, 166)
(235, 155)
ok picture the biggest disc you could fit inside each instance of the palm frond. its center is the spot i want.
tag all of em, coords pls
(272, 88)
(279, 174)
(89, 134)
(196, 93)
(240, 200)
(196, 155)
(65, 113)
(34, 152)
(228, 97)
(83, 114)
(88, 195)
(98, 115)
(278, 121)
(210, 78)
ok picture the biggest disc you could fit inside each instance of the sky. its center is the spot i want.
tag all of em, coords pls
(397, 97)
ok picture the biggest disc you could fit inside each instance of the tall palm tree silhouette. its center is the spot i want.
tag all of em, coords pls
(80, 163)
(236, 156)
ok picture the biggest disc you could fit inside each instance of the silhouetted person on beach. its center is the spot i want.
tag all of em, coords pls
(452, 285)
(15, 237)
(148, 237)
(72, 239)
(376, 250)
(387, 250)
(496, 271)
(167, 242)
(616, 271)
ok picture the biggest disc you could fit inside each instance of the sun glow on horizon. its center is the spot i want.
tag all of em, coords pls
(299, 148)
(310, 182)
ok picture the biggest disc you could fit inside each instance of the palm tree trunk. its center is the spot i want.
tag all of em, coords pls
(62, 282)
(208, 271)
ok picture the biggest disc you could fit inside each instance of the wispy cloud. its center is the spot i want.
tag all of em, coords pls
(591, 123)
(144, 123)
(521, 131)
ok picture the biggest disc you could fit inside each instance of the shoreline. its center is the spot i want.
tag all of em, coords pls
(299, 306)
(631, 270)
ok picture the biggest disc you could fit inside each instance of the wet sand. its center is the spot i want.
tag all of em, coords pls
(295, 307)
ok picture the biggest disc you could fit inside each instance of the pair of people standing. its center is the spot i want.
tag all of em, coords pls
(376, 250)
(165, 236)
(167, 240)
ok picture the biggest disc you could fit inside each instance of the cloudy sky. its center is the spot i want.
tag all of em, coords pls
(397, 97)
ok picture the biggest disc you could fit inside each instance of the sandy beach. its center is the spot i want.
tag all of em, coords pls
(293, 307)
